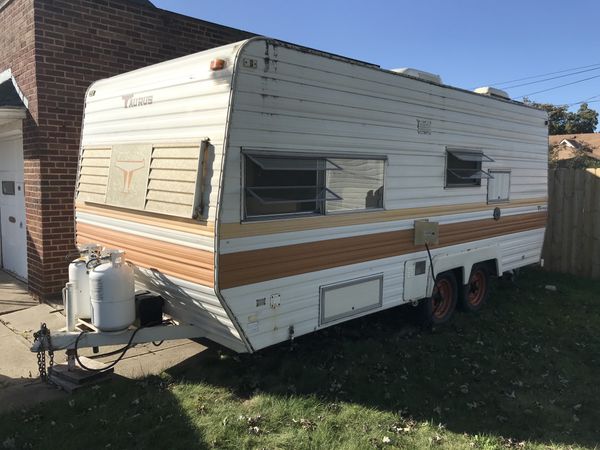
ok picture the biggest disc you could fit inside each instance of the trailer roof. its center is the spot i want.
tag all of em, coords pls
(378, 67)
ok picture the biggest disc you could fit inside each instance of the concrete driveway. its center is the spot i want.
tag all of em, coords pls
(13, 294)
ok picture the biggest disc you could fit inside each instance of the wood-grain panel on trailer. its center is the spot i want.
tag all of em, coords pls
(253, 266)
(182, 262)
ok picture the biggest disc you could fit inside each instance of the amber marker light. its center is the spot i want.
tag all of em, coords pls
(217, 64)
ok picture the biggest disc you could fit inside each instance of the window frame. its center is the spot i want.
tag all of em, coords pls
(322, 205)
(455, 151)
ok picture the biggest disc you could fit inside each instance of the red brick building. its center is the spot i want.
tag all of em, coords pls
(50, 52)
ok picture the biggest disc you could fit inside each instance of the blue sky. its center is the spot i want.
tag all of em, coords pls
(469, 43)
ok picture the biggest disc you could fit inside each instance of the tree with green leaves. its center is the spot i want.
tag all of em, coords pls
(563, 121)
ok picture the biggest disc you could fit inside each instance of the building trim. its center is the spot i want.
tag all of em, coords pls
(7, 75)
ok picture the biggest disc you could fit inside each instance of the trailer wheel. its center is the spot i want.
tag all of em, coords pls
(438, 308)
(477, 290)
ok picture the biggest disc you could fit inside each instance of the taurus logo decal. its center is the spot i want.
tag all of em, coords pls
(130, 101)
(129, 168)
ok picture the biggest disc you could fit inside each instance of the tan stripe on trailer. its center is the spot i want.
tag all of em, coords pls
(238, 269)
(181, 262)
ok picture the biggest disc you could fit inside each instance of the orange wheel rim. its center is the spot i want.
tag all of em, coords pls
(477, 288)
(442, 299)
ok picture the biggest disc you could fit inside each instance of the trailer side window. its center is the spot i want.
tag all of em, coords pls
(279, 184)
(464, 168)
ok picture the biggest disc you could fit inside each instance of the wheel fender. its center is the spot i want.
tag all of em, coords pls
(465, 260)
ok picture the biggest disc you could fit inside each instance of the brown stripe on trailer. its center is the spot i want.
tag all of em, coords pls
(186, 263)
(238, 269)
(248, 229)
(146, 218)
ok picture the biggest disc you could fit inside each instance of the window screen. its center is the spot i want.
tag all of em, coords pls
(359, 183)
(464, 168)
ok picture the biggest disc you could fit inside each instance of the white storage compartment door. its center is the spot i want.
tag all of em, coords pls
(416, 274)
(350, 297)
(499, 186)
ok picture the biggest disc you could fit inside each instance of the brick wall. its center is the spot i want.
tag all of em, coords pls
(17, 52)
(76, 43)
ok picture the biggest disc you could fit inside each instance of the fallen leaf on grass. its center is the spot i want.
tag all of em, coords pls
(306, 424)
(510, 394)
(254, 430)
(437, 439)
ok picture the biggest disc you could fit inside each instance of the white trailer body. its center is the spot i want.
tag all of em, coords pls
(267, 190)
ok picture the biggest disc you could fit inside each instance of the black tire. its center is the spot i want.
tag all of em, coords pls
(440, 307)
(475, 293)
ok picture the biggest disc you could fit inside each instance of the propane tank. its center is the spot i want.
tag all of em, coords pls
(78, 276)
(112, 292)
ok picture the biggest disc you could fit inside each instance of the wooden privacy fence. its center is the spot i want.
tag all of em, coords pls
(572, 242)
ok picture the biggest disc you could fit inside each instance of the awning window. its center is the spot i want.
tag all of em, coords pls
(469, 174)
(465, 155)
(270, 162)
(273, 195)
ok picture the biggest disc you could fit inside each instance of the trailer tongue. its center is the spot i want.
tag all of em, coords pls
(102, 309)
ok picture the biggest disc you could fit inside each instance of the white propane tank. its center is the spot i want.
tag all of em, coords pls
(112, 291)
(78, 275)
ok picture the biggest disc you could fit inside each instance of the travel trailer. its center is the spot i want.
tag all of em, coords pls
(265, 191)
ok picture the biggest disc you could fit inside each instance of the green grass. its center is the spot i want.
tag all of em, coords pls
(521, 374)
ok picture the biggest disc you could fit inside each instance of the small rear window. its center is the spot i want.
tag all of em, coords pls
(8, 187)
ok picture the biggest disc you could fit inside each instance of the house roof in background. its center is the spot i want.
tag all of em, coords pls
(567, 144)
(576, 140)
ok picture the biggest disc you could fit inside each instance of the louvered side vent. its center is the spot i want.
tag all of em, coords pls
(173, 181)
(93, 175)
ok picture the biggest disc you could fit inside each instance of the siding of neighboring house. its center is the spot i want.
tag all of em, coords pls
(56, 49)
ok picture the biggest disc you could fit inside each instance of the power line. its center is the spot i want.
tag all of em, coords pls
(551, 78)
(542, 75)
(559, 86)
(587, 100)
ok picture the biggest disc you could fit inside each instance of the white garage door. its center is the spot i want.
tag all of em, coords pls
(13, 229)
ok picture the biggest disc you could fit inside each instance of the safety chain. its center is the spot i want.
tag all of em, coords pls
(45, 340)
